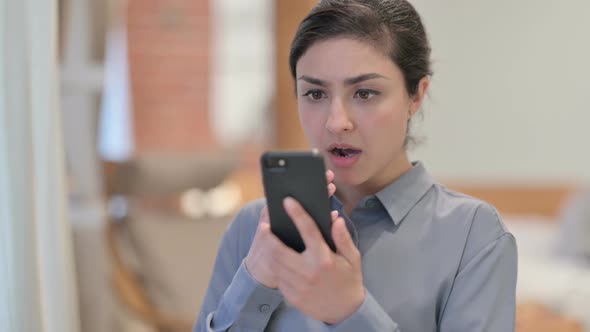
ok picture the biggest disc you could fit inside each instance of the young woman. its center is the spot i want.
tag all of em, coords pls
(411, 255)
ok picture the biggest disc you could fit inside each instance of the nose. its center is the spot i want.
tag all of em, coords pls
(339, 120)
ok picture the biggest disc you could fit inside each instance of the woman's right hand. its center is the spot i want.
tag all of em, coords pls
(259, 259)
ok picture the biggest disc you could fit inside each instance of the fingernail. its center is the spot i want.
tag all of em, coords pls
(288, 202)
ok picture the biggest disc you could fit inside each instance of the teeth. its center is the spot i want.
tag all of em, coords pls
(343, 152)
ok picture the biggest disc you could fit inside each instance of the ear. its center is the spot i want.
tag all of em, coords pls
(418, 97)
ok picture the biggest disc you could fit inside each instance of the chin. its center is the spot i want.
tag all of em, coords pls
(348, 177)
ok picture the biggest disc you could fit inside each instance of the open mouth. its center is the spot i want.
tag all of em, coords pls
(344, 152)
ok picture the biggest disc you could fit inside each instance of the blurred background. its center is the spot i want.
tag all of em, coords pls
(130, 132)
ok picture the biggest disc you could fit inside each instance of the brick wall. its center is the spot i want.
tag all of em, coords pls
(169, 43)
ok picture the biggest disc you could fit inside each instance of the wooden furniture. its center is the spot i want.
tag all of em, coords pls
(130, 291)
(149, 192)
(513, 199)
(535, 317)
(289, 13)
(126, 284)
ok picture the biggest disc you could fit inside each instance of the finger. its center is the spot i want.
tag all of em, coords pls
(281, 253)
(264, 215)
(262, 222)
(263, 228)
(344, 244)
(334, 215)
(329, 180)
(274, 244)
(329, 176)
(312, 238)
(331, 189)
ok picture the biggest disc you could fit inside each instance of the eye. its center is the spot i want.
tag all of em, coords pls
(315, 94)
(365, 94)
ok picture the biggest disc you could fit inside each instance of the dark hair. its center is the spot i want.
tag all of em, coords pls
(392, 26)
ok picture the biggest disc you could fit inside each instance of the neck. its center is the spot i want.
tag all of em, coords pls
(350, 195)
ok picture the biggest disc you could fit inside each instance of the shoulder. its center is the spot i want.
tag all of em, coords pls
(473, 211)
(477, 222)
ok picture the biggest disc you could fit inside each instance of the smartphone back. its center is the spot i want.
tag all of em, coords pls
(300, 175)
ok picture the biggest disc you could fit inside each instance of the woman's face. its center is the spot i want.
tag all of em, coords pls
(354, 107)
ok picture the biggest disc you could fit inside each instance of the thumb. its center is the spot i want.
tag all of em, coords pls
(343, 241)
(264, 219)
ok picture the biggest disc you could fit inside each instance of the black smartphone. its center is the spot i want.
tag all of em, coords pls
(301, 175)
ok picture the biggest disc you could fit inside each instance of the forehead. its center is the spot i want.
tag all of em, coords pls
(340, 58)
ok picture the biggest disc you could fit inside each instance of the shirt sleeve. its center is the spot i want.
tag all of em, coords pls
(235, 301)
(483, 296)
(369, 317)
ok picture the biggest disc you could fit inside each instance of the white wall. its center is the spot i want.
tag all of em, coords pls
(243, 69)
(510, 93)
(509, 98)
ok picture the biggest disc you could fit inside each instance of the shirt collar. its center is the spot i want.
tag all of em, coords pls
(403, 194)
(337, 205)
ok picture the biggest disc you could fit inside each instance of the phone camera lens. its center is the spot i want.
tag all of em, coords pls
(276, 163)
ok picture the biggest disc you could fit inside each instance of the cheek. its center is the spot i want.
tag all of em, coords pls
(312, 123)
(390, 125)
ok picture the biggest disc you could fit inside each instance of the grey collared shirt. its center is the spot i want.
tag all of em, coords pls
(433, 260)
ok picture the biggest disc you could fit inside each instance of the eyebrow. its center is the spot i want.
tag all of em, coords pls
(348, 81)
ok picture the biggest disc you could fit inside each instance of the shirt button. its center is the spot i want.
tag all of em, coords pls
(371, 203)
(264, 308)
